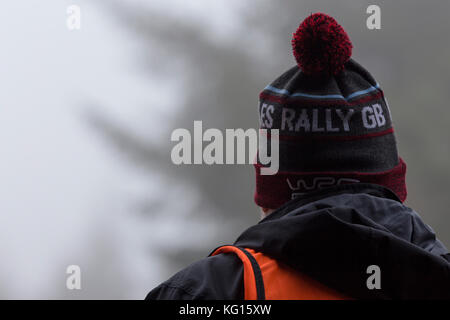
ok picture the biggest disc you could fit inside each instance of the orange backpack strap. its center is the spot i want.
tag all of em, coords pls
(253, 280)
(284, 283)
(266, 278)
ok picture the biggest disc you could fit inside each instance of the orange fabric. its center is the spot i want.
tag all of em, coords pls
(284, 283)
(249, 276)
(280, 281)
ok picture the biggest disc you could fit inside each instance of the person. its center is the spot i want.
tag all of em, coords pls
(334, 224)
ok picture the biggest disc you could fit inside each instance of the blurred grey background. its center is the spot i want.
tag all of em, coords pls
(86, 118)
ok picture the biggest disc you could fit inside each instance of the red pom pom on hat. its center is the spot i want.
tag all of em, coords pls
(321, 46)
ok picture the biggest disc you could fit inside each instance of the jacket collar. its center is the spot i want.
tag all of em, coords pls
(352, 188)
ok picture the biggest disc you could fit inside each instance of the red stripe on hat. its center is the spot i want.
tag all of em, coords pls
(318, 102)
(286, 137)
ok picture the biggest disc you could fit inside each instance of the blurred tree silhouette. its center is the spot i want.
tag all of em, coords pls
(222, 79)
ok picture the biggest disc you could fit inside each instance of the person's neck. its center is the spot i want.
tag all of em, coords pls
(265, 212)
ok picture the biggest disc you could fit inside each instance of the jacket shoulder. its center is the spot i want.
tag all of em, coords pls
(218, 277)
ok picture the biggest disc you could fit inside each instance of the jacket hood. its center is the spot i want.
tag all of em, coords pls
(334, 235)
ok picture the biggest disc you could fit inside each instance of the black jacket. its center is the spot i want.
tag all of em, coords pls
(332, 235)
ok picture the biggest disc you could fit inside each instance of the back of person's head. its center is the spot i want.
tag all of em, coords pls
(334, 122)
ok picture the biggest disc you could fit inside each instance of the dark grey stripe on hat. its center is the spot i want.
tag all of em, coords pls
(352, 79)
(364, 155)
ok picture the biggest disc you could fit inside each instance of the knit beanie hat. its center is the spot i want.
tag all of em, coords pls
(334, 123)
